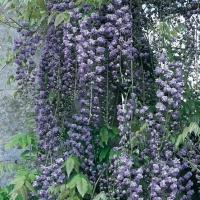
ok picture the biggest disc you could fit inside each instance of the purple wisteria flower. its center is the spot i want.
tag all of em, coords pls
(160, 106)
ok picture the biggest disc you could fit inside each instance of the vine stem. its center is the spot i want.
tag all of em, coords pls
(91, 87)
(107, 92)
(95, 186)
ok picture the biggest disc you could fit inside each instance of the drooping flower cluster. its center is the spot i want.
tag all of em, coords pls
(48, 87)
(126, 178)
(51, 175)
(26, 46)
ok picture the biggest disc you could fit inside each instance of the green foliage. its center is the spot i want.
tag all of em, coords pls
(24, 140)
(190, 105)
(193, 128)
(22, 184)
(21, 139)
(4, 193)
(137, 137)
(82, 186)
(6, 167)
(80, 182)
(168, 31)
(100, 196)
(64, 16)
(77, 186)
(104, 151)
(108, 137)
(104, 134)
(71, 163)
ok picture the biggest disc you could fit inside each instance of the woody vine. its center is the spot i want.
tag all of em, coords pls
(116, 99)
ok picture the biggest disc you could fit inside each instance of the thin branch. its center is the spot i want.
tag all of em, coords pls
(95, 186)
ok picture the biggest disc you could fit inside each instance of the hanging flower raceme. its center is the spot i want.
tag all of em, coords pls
(87, 86)
(170, 81)
(51, 175)
(26, 45)
(126, 178)
(47, 107)
(48, 91)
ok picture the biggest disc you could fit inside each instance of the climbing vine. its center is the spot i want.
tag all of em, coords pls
(115, 92)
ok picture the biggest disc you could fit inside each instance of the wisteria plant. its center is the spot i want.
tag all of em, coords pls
(115, 92)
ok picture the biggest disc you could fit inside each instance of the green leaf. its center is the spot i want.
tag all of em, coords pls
(15, 94)
(14, 196)
(73, 182)
(54, 189)
(185, 133)
(174, 33)
(63, 195)
(178, 141)
(144, 127)
(24, 192)
(133, 141)
(62, 187)
(193, 127)
(17, 187)
(90, 189)
(101, 143)
(10, 167)
(59, 19)
(76, 163)
(30, 187)
(25, 153)
(173, 139)
(9, 39)
(82, 186)
(104, 134)
(100, 196)
(69, 165)
(73, 198)
(16, 139)
(111, 153)
(166, 28)
(10, 79)
(78, 2)
(41, 3)
(111, 135)
(195, 118)
(18, 180)
(23, 142)
(52, 16)
(167, 37)
(115, 129)
(35, 149)
(72, 192)
(134, 126)
(67, 16)
(28, 139)
(51, 189)
(31, 175)
(103, 153)
(36, 14)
